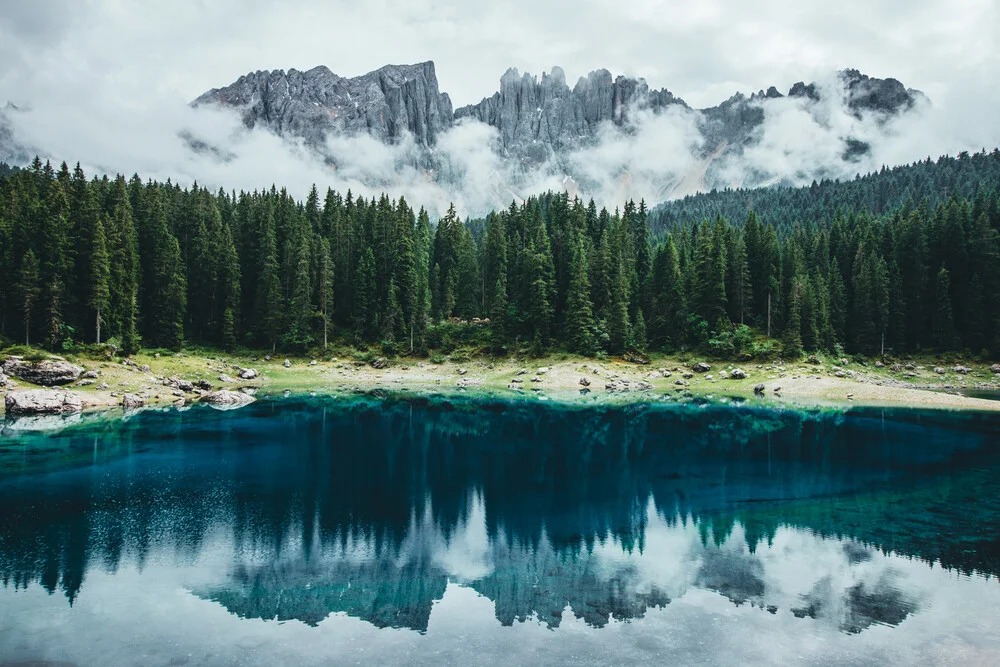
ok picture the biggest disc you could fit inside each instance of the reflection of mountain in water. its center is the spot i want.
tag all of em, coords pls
(371, 508)
(398, 586)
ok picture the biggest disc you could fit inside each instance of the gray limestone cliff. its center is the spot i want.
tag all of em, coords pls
(536, 118)
(386, 103)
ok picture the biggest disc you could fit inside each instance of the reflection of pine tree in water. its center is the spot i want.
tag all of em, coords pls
(304, 487)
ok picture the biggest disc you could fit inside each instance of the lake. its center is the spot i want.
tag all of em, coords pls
(369, 530)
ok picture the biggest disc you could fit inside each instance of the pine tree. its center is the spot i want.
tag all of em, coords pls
(100, 274)
(124, 262)
(579, 311)
(230, 285)
(269, 302)
(944, 323)
(637, 338)
(301, 308)
(365, 325)
(792, 339)
(618, 319)
(228, 329)
(324, 284)
(29, 290)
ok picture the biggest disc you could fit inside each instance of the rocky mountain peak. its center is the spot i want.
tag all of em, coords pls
(386, 103)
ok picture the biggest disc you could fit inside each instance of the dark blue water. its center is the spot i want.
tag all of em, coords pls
(365, 530)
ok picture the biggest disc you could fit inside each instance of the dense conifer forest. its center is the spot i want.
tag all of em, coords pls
(902, 261)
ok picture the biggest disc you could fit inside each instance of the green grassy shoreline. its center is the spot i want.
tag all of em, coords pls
(817, 383)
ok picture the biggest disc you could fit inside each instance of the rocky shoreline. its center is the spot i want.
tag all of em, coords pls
(58, 388)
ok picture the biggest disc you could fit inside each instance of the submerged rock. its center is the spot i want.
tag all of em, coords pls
(47, 373)
(36, 423)
(41, 401)
(228, 400)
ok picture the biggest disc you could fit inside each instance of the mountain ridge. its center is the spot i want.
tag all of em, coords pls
(539, 120)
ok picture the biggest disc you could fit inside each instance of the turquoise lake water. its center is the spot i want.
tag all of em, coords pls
(479, 531)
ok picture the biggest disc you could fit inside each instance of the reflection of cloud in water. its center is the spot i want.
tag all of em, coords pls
(397, 586)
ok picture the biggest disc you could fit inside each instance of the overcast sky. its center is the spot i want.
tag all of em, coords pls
(701, 51)
(108, 83)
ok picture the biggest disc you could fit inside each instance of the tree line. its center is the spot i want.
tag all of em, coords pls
(130, 263)
(877, 193)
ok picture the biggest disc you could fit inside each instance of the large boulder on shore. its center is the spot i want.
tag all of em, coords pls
(46, 373)
(701, 367)
(228, 400)
(41, 401)
(133, 402)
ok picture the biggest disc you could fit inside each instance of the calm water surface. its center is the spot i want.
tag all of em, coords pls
(383, 531)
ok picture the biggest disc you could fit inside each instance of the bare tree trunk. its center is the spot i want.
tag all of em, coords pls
(98, 326)
(768, 314)
(324, 331)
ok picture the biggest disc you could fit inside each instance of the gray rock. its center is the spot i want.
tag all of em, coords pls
(228, 400)
(41, 401)
(92, 374)
(286, 363)
(248, 374)
(225, 379)
(738, 374)
(584, 382)
(133, 401)
(380, 363)
(203, 384)
(962, 370)
(759, 389)
(45, 373)
(185, 385)
(995, 368)
(701, 367)
(386, 104)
